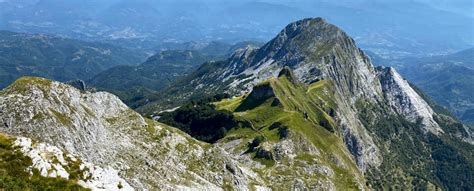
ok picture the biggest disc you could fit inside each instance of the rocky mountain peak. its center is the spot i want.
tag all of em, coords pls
(308, 36)
(311, 47)
(344, 125)
(316, 50)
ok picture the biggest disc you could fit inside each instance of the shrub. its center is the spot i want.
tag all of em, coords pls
(201, 120)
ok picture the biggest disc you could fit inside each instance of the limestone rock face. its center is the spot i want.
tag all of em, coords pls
(99, 129)
(405, 101)
(51, 161)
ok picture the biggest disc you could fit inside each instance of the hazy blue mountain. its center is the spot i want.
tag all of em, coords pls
(216, 48)
(57, 58)
(389, 28)
(134, 82)
(464, 7)
(448, 79)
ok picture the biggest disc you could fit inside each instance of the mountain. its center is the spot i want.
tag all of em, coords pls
(57, 58)
(448, 79)
(400, 28)
(397, 137)
(134, 82)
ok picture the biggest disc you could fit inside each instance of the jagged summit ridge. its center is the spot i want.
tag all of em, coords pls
(310, 47)
(300, 35)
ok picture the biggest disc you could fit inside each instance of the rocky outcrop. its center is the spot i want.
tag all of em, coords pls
(406, 101)
(51, 161)
(99, 129)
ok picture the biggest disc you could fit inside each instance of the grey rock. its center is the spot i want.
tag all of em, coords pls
(100, 129)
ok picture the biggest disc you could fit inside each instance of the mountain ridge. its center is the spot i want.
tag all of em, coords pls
(85, 124)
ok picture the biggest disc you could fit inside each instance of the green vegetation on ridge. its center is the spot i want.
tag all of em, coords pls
(277, 108)
(201, 120)
(14, 173)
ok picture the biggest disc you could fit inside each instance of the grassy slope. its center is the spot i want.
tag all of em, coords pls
(301, 110)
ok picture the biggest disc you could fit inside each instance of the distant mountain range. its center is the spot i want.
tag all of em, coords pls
(172, 62)
(104, 66)
(448, 79)
(389, 28)
(58, 58)
(134, 82)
